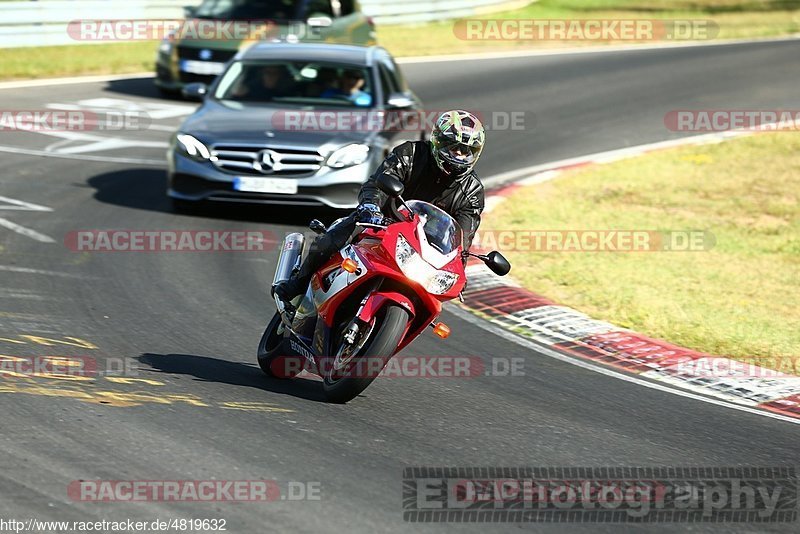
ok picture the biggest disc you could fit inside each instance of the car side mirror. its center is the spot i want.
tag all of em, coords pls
(195, 91)
(497, 263)
(399, 101)
(391, 186)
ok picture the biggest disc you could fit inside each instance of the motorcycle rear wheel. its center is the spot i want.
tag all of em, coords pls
(272, 359)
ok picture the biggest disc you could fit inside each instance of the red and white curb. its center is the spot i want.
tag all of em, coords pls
(504, 303)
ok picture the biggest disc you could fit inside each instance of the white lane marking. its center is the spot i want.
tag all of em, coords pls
(82, 142)
(108, 143)
(82, 157)
(162, 128)
(27, 232)
(21, 205)
(153, 110)
(505, 334)
(513, 54)
(13, 293)
(95, 143)
(27, 270)
(542, 172)
(46, 82)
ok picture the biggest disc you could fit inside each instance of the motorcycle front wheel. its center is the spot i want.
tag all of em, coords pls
(345, 382)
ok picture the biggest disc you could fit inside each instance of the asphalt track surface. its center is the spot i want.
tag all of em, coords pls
(190, 322)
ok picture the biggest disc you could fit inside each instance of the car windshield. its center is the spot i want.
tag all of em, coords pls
(297, 82)
(248, 10)
(441, 230)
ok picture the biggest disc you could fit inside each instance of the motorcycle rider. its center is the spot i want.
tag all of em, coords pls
(439, 171)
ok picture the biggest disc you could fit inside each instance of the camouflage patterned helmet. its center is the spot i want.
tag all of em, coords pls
(457, 141)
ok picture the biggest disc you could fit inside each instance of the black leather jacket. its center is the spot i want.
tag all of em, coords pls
(412, 163)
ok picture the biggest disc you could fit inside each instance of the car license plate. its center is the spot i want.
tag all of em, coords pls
(206, 68)
(284, 186)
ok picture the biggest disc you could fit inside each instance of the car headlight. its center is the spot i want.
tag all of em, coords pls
(193, 148)
(168, 42)
(349, 155)
(413, 266)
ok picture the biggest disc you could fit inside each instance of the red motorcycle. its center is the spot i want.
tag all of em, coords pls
(371, 300)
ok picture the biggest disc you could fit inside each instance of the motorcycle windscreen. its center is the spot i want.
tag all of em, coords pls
(442, 231)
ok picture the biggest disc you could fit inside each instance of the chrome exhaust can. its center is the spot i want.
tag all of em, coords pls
(290, 254)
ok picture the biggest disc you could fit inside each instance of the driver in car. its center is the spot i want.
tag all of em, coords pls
(439, 171)
(268, 82)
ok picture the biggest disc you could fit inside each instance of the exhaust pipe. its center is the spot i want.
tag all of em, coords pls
(289, 259)
(290, 256)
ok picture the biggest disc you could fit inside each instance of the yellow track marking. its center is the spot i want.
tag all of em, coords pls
(254, 407)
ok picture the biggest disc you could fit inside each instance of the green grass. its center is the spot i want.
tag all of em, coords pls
(73, 60)
(738, 299)
(736, 19)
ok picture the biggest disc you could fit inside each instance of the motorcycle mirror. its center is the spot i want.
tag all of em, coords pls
(497, 263)
(391, 186)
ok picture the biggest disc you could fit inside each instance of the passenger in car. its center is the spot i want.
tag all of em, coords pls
(349, 85)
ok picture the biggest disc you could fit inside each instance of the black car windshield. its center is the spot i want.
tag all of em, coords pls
(299, 82)
(248, 10)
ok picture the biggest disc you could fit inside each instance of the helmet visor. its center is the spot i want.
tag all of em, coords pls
(458, 153)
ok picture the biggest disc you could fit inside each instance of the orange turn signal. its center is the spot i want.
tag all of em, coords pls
(441, 330)
(349, 265)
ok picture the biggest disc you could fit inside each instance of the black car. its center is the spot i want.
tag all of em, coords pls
(185, 57)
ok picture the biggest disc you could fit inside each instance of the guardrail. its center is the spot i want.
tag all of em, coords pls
(409, 11)
(44, 22)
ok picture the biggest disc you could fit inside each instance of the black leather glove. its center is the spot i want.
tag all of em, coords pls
(369, 213)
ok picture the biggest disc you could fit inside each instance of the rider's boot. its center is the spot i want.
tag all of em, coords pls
(297, 284)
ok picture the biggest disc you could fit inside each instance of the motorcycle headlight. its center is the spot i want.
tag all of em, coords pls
(441, 282)
(413, 266)
(349, 155)
(193, 148)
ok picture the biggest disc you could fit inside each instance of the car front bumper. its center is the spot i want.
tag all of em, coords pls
(170, 77)
(193, 180)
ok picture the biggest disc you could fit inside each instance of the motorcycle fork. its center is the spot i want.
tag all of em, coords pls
(352, 329)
